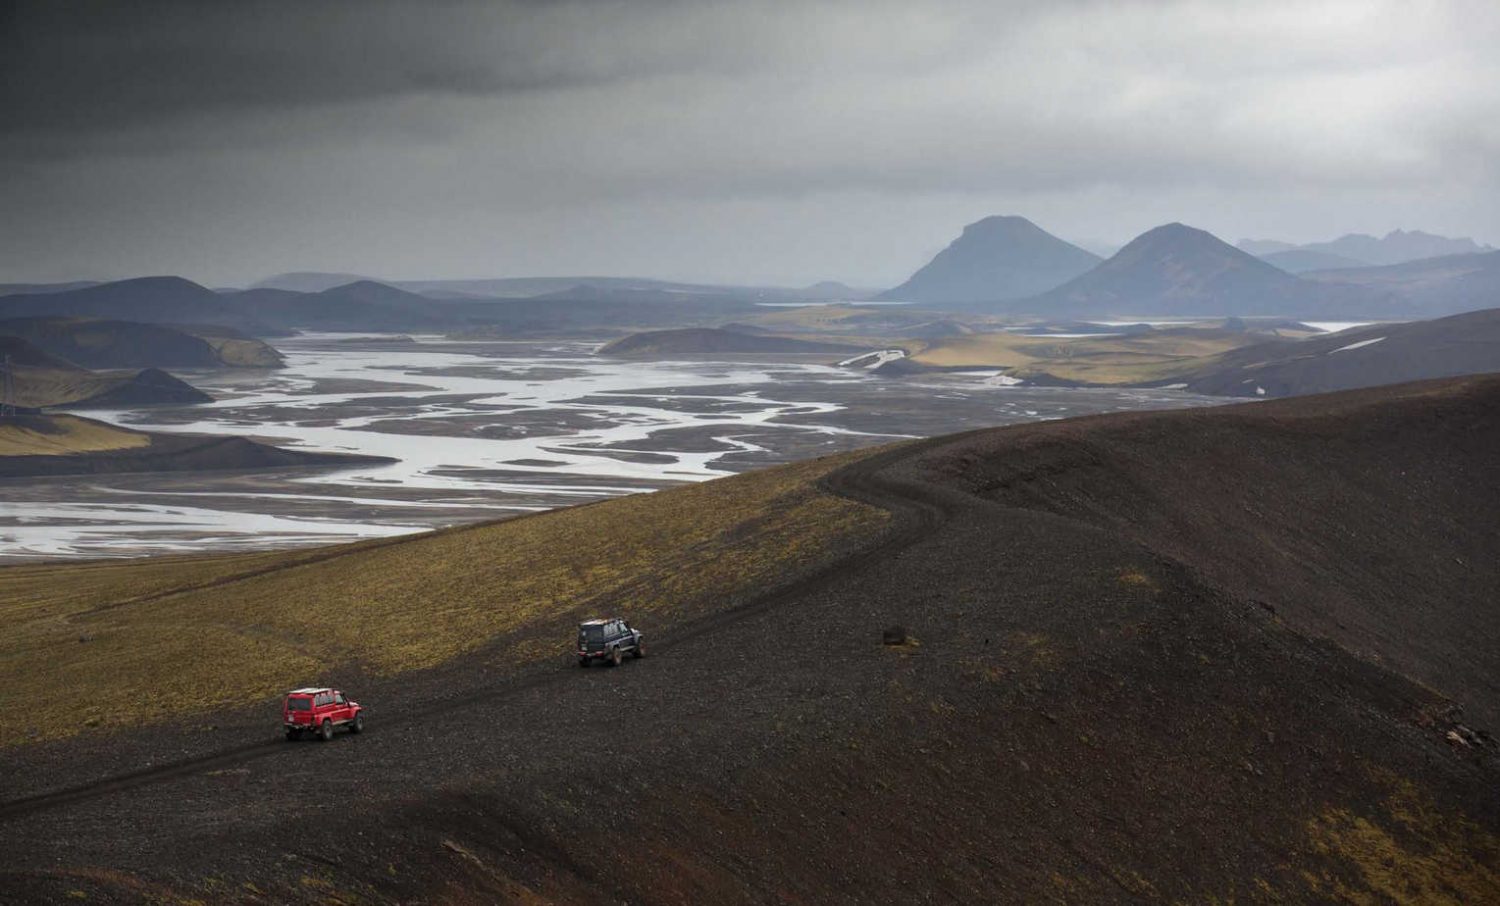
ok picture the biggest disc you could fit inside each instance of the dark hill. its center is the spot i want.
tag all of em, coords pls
(360, 306)
(1370, 356)
(152, 300)
(22, 353)
(1200, 656)
(42, 381)
(508, 288)
(994, 259)
(370, 306)
(1430, 287)
(695, 340)
(1176, 270)
(127, 344)
(833, 291)
(307, 281)
(147, 387)
(1363, 517)
(366, 305)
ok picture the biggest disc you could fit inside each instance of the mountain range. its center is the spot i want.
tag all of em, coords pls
(1179, 271)
(151, 300)
(532, 287)
(1359, 249)
(367, 305)
(1002, 265)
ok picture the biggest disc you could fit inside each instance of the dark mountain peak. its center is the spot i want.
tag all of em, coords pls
(1002, 224)
(1179, 270)
(371, 291)
(362, 286)
(997, 258)
(1177, 233)
(1185, 246)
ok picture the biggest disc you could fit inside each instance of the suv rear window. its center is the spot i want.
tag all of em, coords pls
(299, 704)
(592, 633)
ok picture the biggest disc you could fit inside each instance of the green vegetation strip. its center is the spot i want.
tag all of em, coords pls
(61, 435)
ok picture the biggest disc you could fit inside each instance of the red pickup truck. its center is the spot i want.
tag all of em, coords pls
(319, 710)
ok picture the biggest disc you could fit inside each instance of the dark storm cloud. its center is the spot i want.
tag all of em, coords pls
(83, 67)
(426, 138)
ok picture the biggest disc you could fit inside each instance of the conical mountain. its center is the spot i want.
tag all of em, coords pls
(1176, 270)
(995, 259)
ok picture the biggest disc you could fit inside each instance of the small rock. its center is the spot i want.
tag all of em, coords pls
(894, 635)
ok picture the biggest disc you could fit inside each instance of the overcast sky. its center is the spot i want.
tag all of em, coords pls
(751, 142)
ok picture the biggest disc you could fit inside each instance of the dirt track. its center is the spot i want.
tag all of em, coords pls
(1085, 719)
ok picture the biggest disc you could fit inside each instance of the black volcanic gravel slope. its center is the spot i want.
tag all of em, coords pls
(1385, 541)
(1099, 703)
(1379, 354)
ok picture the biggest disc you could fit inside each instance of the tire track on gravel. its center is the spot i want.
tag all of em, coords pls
(918, 511)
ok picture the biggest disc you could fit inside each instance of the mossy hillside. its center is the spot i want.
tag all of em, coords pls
(61, 435)
(240, 629)
(1092, 360)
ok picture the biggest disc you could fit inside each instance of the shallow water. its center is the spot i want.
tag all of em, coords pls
(483, 429)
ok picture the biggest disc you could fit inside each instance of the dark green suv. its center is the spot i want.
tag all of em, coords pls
(608, 640)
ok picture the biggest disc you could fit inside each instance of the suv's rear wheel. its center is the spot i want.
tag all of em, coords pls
(359, 723)
(583, 662)
(325, 732)
(614, 657)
